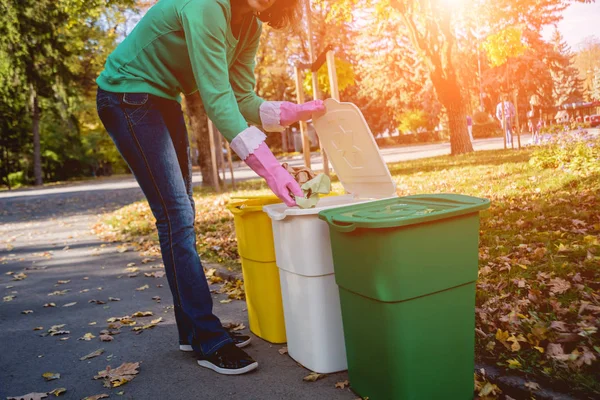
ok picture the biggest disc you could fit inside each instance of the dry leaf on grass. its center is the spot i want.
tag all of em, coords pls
(50, 376)
(118, 376)
(313, 376)
(92, 354)
(30, 396)
(342, 385)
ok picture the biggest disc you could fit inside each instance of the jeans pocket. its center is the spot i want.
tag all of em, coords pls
(135, 99)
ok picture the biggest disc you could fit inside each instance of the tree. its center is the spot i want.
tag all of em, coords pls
(432, 33)
(566, 84)
(587, 61)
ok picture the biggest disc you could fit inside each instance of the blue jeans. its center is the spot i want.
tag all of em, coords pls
(150, 134)
(508, 133)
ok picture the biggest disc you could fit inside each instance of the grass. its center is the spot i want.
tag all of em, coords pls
(538, 294)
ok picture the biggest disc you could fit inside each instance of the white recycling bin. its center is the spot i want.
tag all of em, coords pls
(311, 303)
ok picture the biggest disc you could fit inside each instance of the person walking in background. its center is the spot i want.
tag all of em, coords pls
(533, 121)
(505, 112)
(470, 127)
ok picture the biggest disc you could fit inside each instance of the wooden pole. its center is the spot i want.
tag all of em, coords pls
(229, 160)
(303, 129)
(315, 78)
(213, 156)
(219, 145)
(333, 82)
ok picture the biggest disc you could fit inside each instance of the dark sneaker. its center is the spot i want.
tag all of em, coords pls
(229, 360)
(238, 339)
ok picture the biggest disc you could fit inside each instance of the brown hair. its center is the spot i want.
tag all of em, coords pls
(282, 14)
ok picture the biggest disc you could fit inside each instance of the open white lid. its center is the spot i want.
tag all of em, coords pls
(353, 152)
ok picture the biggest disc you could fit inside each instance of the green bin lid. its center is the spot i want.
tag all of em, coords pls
(402, 211)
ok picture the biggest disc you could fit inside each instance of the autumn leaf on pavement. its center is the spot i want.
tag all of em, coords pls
(341, 385)
(118, 376)
(106, 338)
(97, 302)
(8, 298)
(142, 288)
(30, 396)
(489, 388)
(283, 350)
(140, 314)
(59, 292)
(63, 282)
(238, 327)
(27, 312)
(87, 337)
(58, 391)
(19, 277)
(226, 301)
(70, 304)
(49, 305)
(532, 386)
(96, 397)
(114, 299)
(92, 354)
(50, 376)
(313, 376)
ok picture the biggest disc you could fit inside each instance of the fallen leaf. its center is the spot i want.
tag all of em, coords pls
(142, 288)
(106, 338)
(313, 376)
(514, 364)
(92, 323)
(50, 376)
(58, 391)
(133, 275)
(27, 312)
(49, 305)
(156, 321)
(70, 304)
(156, 298)
(84, 291)
(342, 385)
(140, 314)
(147, 260)
(63, 282)
(29, 396)
(97, 302)
(283, 350)
(225, 301)
(558, 285)
(238, 327)
(87, 337)
(131, 264)
(118, 376)
(92, 354)
(96, 397)
(114, 299)
(8, 298)
(58, 292)
(38, 328)
(65, 338)
(532, 386)
(19, 277)
(489, 388)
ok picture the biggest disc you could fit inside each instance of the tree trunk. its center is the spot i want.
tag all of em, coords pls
(199, 127)
(37, 154)
(450, 96)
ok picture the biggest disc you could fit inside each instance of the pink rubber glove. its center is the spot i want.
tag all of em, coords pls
(291, 113)
(264, 163)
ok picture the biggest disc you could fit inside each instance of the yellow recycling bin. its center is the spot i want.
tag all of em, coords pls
(261, 275)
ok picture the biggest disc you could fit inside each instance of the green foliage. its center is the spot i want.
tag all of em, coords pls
(481, 117)
(503, 45)
(16, 179)
(345, 77)
(412, 121)
(576, 153)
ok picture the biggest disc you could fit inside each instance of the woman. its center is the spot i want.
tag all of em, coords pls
(181, 46)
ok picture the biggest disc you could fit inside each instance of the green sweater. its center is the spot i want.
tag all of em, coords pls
(181, 46)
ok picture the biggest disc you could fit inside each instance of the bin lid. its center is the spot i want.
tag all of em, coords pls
(353, 152)
(242, 205)
(402, 211)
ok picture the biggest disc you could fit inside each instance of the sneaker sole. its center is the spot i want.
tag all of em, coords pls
(225, 371)
(188, 348)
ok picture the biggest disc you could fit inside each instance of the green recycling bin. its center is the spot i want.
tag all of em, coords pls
(406, 269)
